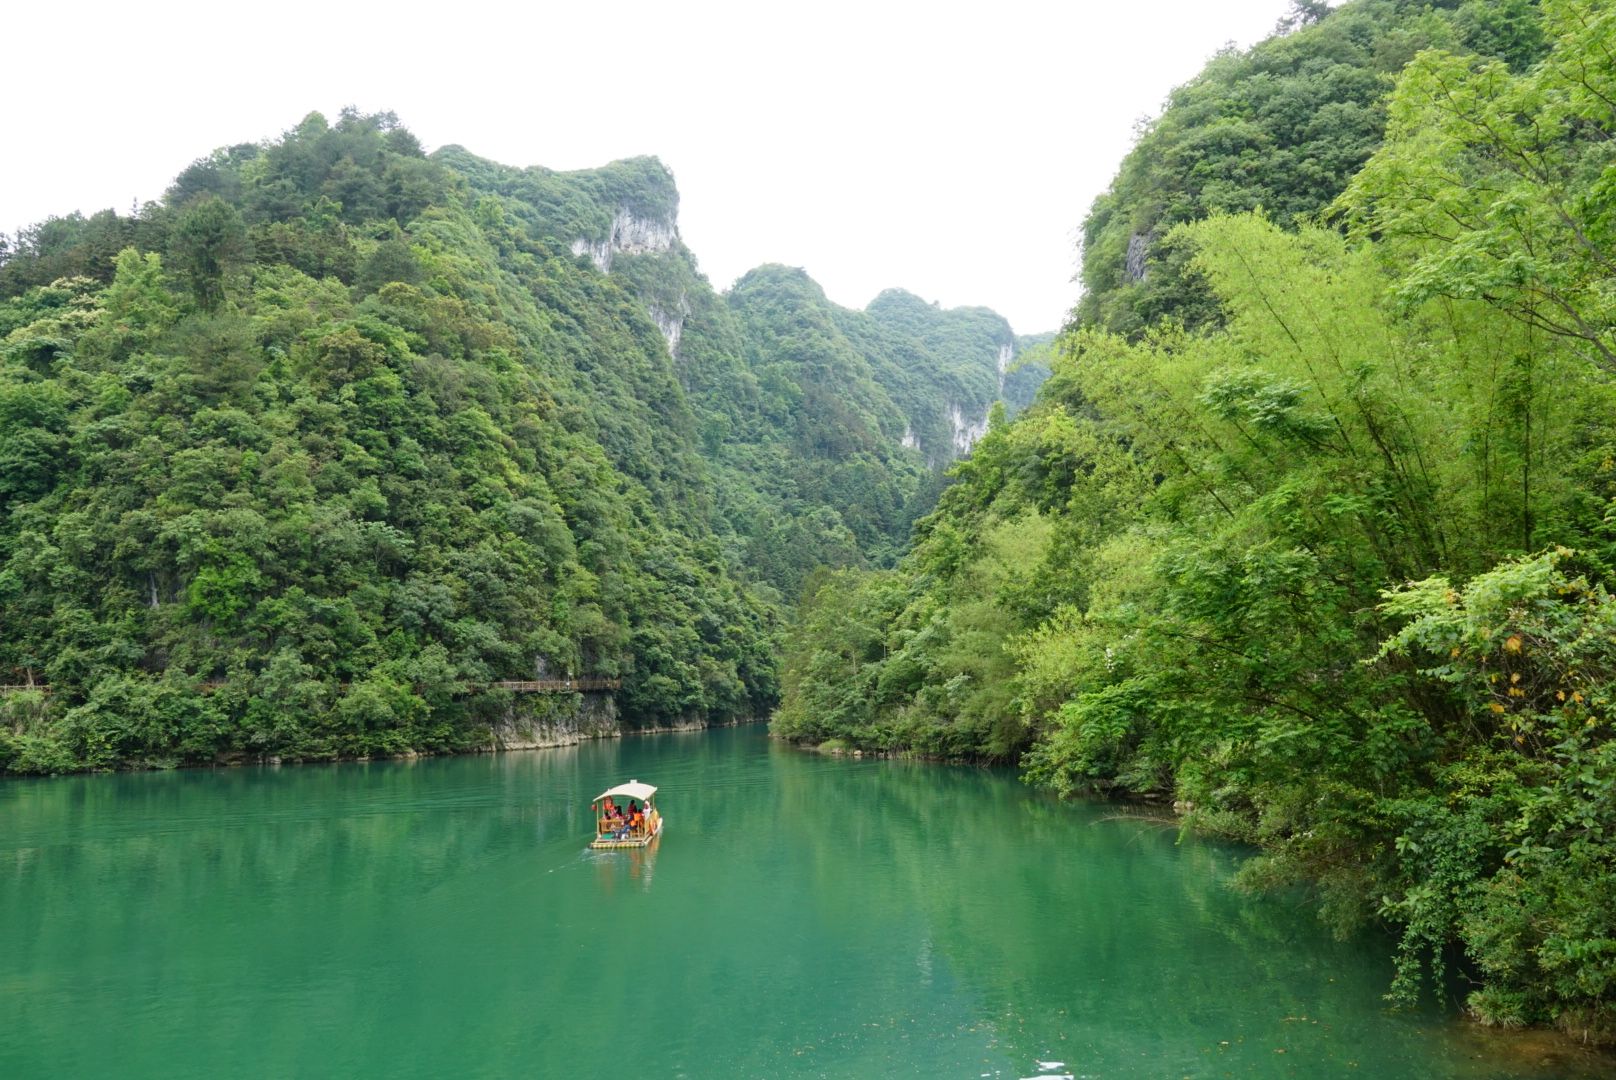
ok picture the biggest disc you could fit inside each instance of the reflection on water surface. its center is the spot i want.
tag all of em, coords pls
(801, 916)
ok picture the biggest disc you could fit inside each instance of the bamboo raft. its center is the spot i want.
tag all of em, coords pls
(635, 831)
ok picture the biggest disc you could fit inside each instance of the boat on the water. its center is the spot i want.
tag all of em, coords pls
(625, 816)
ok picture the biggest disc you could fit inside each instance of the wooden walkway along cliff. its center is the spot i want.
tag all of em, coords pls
(551, 686)
(515, 686)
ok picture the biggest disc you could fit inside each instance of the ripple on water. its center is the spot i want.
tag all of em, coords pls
(801, 916)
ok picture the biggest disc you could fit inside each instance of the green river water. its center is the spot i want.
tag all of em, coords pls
(801, 916)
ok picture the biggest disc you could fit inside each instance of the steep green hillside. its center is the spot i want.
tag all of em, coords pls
(351, 440)
(834, 484)
(1280, 127)
(1312, 534)
(862, 411)
(298, 461)
(825, 429)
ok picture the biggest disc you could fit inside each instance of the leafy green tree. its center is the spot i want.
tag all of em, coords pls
(1521, 868)
(1498, 185)
(209, 240)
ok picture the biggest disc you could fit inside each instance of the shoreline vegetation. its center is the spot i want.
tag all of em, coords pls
(502, 739)
(1306, 523)
(1311, 527)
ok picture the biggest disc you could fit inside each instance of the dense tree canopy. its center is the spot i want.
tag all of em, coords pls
(824, 430)
(1311, 530)
(1312, 533)
(351, 503)
(1280, 127)
(301, 460)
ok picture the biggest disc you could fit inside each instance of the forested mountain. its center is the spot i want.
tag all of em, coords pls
(1280, 128)
(1312, 529)
(298, 461)
(824, 429)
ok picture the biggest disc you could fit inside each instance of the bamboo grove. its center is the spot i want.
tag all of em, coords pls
(1313, 529)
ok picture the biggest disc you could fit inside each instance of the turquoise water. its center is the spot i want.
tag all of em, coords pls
(800, 917)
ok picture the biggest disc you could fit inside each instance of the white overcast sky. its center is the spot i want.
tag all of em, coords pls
(951, 149)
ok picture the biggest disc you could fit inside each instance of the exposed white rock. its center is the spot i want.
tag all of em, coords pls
(639, 235)
(1006, 354)
(966, 434)
(671, 323)
(599, 253)
(631, 235)
(909, 440)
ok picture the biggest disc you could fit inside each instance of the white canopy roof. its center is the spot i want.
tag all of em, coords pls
(632, 790)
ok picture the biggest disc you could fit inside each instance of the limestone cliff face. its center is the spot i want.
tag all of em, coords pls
(666, 294)
(617, 214)
(946, 368)
(1136, 263)
(671, 323)
(544, 721)
(629, 234)
(539, 720)
(966, 431)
